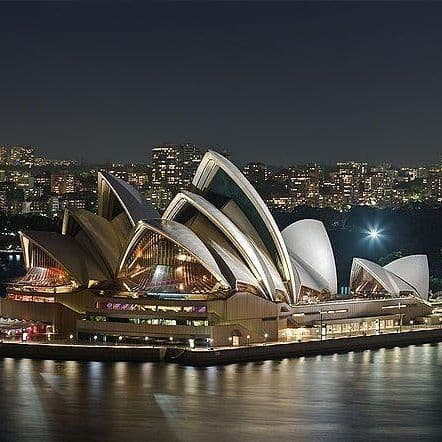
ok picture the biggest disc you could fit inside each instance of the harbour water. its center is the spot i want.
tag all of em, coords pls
(387, 394)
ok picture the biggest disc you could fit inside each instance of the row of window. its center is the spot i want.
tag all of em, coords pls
(124, 306)
(150, 321)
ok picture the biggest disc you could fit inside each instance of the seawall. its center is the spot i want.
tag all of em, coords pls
(217, 356)
(74, 352)
(201, 358)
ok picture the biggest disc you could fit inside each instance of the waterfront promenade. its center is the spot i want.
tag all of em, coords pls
(218, 355)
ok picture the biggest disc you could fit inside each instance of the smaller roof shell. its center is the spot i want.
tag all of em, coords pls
(312, 254)
(392, 282)
(67, 252)
(105, 240)
(413, 269)
(183, 237)
(133, 203)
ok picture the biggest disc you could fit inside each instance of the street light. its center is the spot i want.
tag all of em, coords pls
(400, 317)
(248, 339)
(120, 338)
(171, 339)
(321, 330)
(71, 336)
(230, 339)
(265, 337)
(95, 337)
(411, 324)
(146, 338)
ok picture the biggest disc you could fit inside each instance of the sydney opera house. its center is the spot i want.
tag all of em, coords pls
(214, 267)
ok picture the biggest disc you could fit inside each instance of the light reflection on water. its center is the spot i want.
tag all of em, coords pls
(372, 395)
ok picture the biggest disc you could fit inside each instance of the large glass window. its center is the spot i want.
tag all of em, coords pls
(158, 265)
(366, 286)
(221, 189)
(44, 271)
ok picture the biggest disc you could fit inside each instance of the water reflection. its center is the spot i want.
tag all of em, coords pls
(370, 395)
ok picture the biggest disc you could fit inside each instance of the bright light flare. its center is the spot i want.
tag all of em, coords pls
(373, 233)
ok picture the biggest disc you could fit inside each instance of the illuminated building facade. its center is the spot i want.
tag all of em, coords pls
(214, 266)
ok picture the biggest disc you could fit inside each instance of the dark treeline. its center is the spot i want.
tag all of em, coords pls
(15, 223)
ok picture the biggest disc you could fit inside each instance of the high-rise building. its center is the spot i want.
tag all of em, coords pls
(166, 165)
(350, 178)
(3, 201)
(191, 156)
(62, 183)
(21, 179)
(166, 173)
(43, 181)
(380, 187)
(4, 154)
(22, 156)
(256, 172)
(433, 187)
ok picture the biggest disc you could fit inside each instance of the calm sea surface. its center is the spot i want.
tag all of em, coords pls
(393, 394)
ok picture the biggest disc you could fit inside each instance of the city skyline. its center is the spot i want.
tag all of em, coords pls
(220, 220)
(307, 82)
(147, 159)
(32, 184)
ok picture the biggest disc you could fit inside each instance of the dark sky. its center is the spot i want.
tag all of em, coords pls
(277, 82)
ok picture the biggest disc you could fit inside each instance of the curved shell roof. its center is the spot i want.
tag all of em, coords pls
(133, 203)
(236, 187)
(240, 271)
(312, 255)
(182, 236)
(391, 281)
(261, 267)
(307, 277)
(67, 252)
(99, 231)
(414, 270)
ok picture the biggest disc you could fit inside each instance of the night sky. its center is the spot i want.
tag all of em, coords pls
(281, 83)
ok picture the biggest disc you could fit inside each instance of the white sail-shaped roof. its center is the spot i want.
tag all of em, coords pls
(393, 283)
(67, 252)
(262, 268)
(96, 234)
(220, 181)
(240, 272)
(307, 277)
(113, 190)
(183, 237)
(312, 255)
(413, 269)
(227, 256)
